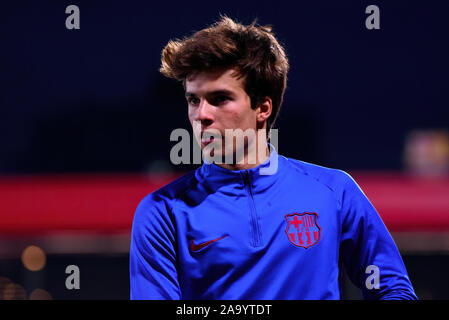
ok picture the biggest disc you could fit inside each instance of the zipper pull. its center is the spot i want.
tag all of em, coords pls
(248, 182)
(246, 178)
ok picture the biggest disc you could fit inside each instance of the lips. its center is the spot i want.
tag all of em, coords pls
(206, 141)
(208, 137)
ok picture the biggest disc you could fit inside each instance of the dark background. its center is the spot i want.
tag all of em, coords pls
(92, 100)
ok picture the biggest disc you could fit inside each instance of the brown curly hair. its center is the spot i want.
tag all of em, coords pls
(251, 49)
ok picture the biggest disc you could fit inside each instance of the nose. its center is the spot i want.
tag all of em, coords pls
(205, 112)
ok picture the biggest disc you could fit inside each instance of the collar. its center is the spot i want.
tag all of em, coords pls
(259, 178)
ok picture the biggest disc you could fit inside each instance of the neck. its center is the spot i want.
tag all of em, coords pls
(244, 164)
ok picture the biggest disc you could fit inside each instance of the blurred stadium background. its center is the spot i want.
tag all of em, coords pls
(85, 121)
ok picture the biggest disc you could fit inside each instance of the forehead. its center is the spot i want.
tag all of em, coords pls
(204, 82)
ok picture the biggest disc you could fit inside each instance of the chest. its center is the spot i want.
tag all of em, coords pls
(241, 224)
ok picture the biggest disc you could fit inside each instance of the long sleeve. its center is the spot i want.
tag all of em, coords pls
(153, 263)
(366, 247)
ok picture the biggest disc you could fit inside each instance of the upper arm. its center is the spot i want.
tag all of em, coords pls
(365, 241)
(153, 262)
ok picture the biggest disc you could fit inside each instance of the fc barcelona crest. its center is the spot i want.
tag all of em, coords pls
(303, 229)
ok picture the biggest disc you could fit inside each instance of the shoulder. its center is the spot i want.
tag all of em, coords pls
(334, 179)
(161, 199)
(342, 185)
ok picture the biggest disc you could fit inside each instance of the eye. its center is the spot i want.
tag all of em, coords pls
(219, 100)
(193, 100)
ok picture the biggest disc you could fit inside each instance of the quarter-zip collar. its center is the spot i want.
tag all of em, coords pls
(216, 176)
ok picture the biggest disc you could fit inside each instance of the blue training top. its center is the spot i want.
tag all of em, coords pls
(221, 234)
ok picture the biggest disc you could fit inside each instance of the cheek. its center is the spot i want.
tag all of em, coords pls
(196, 125)
(245, 119)
(238, 116)
(235, 117)
(232, 120)
(192, 116)
(190, 113)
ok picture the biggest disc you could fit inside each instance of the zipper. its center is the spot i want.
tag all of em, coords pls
(256, 239)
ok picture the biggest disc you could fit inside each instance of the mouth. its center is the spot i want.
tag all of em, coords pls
(206, 141)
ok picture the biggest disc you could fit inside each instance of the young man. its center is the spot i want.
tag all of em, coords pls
(231, 230)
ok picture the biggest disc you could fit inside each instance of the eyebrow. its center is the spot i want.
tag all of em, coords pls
(213, 93)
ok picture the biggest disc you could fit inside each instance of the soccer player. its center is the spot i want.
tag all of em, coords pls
(271, 228)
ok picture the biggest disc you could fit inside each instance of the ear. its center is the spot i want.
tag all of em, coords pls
(264, 110)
